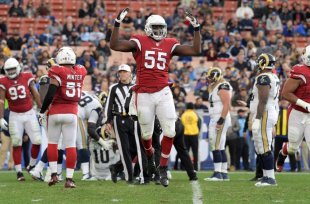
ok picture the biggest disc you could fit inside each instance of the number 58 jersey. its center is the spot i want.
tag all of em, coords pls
(87, 104)
(271, 80)
(17, 92)
(152, 58)
(70, 88)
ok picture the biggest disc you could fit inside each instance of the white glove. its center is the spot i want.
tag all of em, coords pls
(256, 126)
(122, 15)
(42, 119)
(3, 124)
(192, 19)
(105, 144)
(303, 104)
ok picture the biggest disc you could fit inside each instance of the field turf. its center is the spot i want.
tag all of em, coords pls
(292, 188)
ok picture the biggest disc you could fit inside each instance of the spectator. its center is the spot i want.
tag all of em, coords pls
(46, 38)
(30, 11)
(284, 13)
(205, 9)
(42, 59)
(87, 61)
(55, 28)
(280, 46)
(235, 49)
(199, 105)
(274, 24)
(83, 11)
(16, 10)
(232, 25)
(223, 54)
(232, 141)
(104, 49)
(102, 64)
(303, 29)
(3, 28)
(288, 29)
(15, 42)
(263, 48)
(211, 53)
(242, 146)
(240, 13)
(95, 36)
(168, 20)
(5, 50)
(91, 7)
(201, 68)
(70, 32)
(246, 24)
(219, 24)
(44, 9)
(30, 36)
(201, 88)
(258, 10)
(241, 95)
(139, 21)
(99, 12)
(298, 14)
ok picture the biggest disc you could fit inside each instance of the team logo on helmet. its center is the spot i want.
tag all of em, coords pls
(266, 61)
(214, 74)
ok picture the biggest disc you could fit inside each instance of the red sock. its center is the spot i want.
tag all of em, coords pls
(166, 145)
(52, 152)
(35, 149)
(17, 155)
(147, 144)
(71, 157)
(284, 149)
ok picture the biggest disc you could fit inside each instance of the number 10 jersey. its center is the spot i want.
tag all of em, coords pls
(152, 58)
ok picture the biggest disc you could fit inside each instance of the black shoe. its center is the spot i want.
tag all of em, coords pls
(280, 162)
(163, 175)
(256, 178)
(20, 176)
(151, 165)
(157, 178)
(193, 177)
(113, 173)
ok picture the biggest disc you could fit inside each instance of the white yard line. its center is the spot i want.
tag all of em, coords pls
(197, 193)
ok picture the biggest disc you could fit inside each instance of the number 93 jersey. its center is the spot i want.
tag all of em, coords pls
(271, 80)
(70, 88)
(152, 60)
(17, 92)
(87, 104)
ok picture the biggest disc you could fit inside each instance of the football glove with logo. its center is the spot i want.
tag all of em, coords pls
(192, 19)
(120, 17)
(42, 119)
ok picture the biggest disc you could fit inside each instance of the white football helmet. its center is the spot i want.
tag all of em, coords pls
(66, 55)
(306, 56)
(12, 68)
(157, 33)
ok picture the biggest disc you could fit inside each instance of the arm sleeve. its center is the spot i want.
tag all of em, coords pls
(91, 129)
(49, 97)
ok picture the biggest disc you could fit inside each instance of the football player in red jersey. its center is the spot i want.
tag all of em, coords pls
(296, 91)
(64, 92)
(153, 96)
(18, 88)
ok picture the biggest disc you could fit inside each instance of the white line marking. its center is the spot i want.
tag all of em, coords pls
(36, 200)
(197, 193)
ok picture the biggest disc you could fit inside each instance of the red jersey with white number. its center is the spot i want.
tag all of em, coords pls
(301, 72)
(17, 92)
(70, 90)
(152, 58)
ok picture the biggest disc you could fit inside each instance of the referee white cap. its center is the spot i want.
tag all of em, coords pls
(124, 67)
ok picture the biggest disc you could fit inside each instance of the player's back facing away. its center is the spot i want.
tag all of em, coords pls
(152, 58)
(87, 104)
(70, 88)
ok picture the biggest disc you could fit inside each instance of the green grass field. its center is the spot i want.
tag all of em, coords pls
(292, 188)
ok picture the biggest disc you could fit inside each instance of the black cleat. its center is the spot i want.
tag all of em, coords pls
(157, 178)
(163, 175)
(69, 183)
(113, 173)
(151, 165)
(29, 168)
(20, 176)
(54, 179)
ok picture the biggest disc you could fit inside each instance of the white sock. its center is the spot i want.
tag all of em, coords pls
(270, 173)
(59, 169)
(69, 173)
(32, 161)
(224, 167)
(18, 168)
(39, 167)
(264, 172)
(218, 167)
(53, 166)
(85, 168)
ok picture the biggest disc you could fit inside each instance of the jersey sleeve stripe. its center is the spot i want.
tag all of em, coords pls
(174, 46)
(299, 76)
(3, 87)
(137, 42)
(58, 79)
(30, 80)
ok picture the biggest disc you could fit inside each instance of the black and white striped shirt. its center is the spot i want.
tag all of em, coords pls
(116, 100)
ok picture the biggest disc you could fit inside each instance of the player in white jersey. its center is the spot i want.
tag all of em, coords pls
(265, 109)
(220, 93)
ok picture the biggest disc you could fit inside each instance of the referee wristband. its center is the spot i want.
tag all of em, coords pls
(117, 24)
(221, 121)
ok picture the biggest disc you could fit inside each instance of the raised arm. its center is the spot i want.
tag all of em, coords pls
(190, 50)
(117, 44)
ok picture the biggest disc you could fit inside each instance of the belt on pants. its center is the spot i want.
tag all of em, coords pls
(122, 114)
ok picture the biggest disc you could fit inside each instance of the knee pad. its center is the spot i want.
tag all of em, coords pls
(83, 155)
(217, 156)
(168, 128)
(146, 137)
(16, 141)
(292, 148)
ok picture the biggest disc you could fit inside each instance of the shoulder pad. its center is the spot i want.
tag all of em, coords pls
(224, 86)
(263, 80)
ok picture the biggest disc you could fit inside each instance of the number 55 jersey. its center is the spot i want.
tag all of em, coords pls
(70, 88)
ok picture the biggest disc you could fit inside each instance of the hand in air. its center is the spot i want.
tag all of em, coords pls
(192, 19)
(120, 17)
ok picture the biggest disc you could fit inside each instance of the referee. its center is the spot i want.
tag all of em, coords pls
(119, 120)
